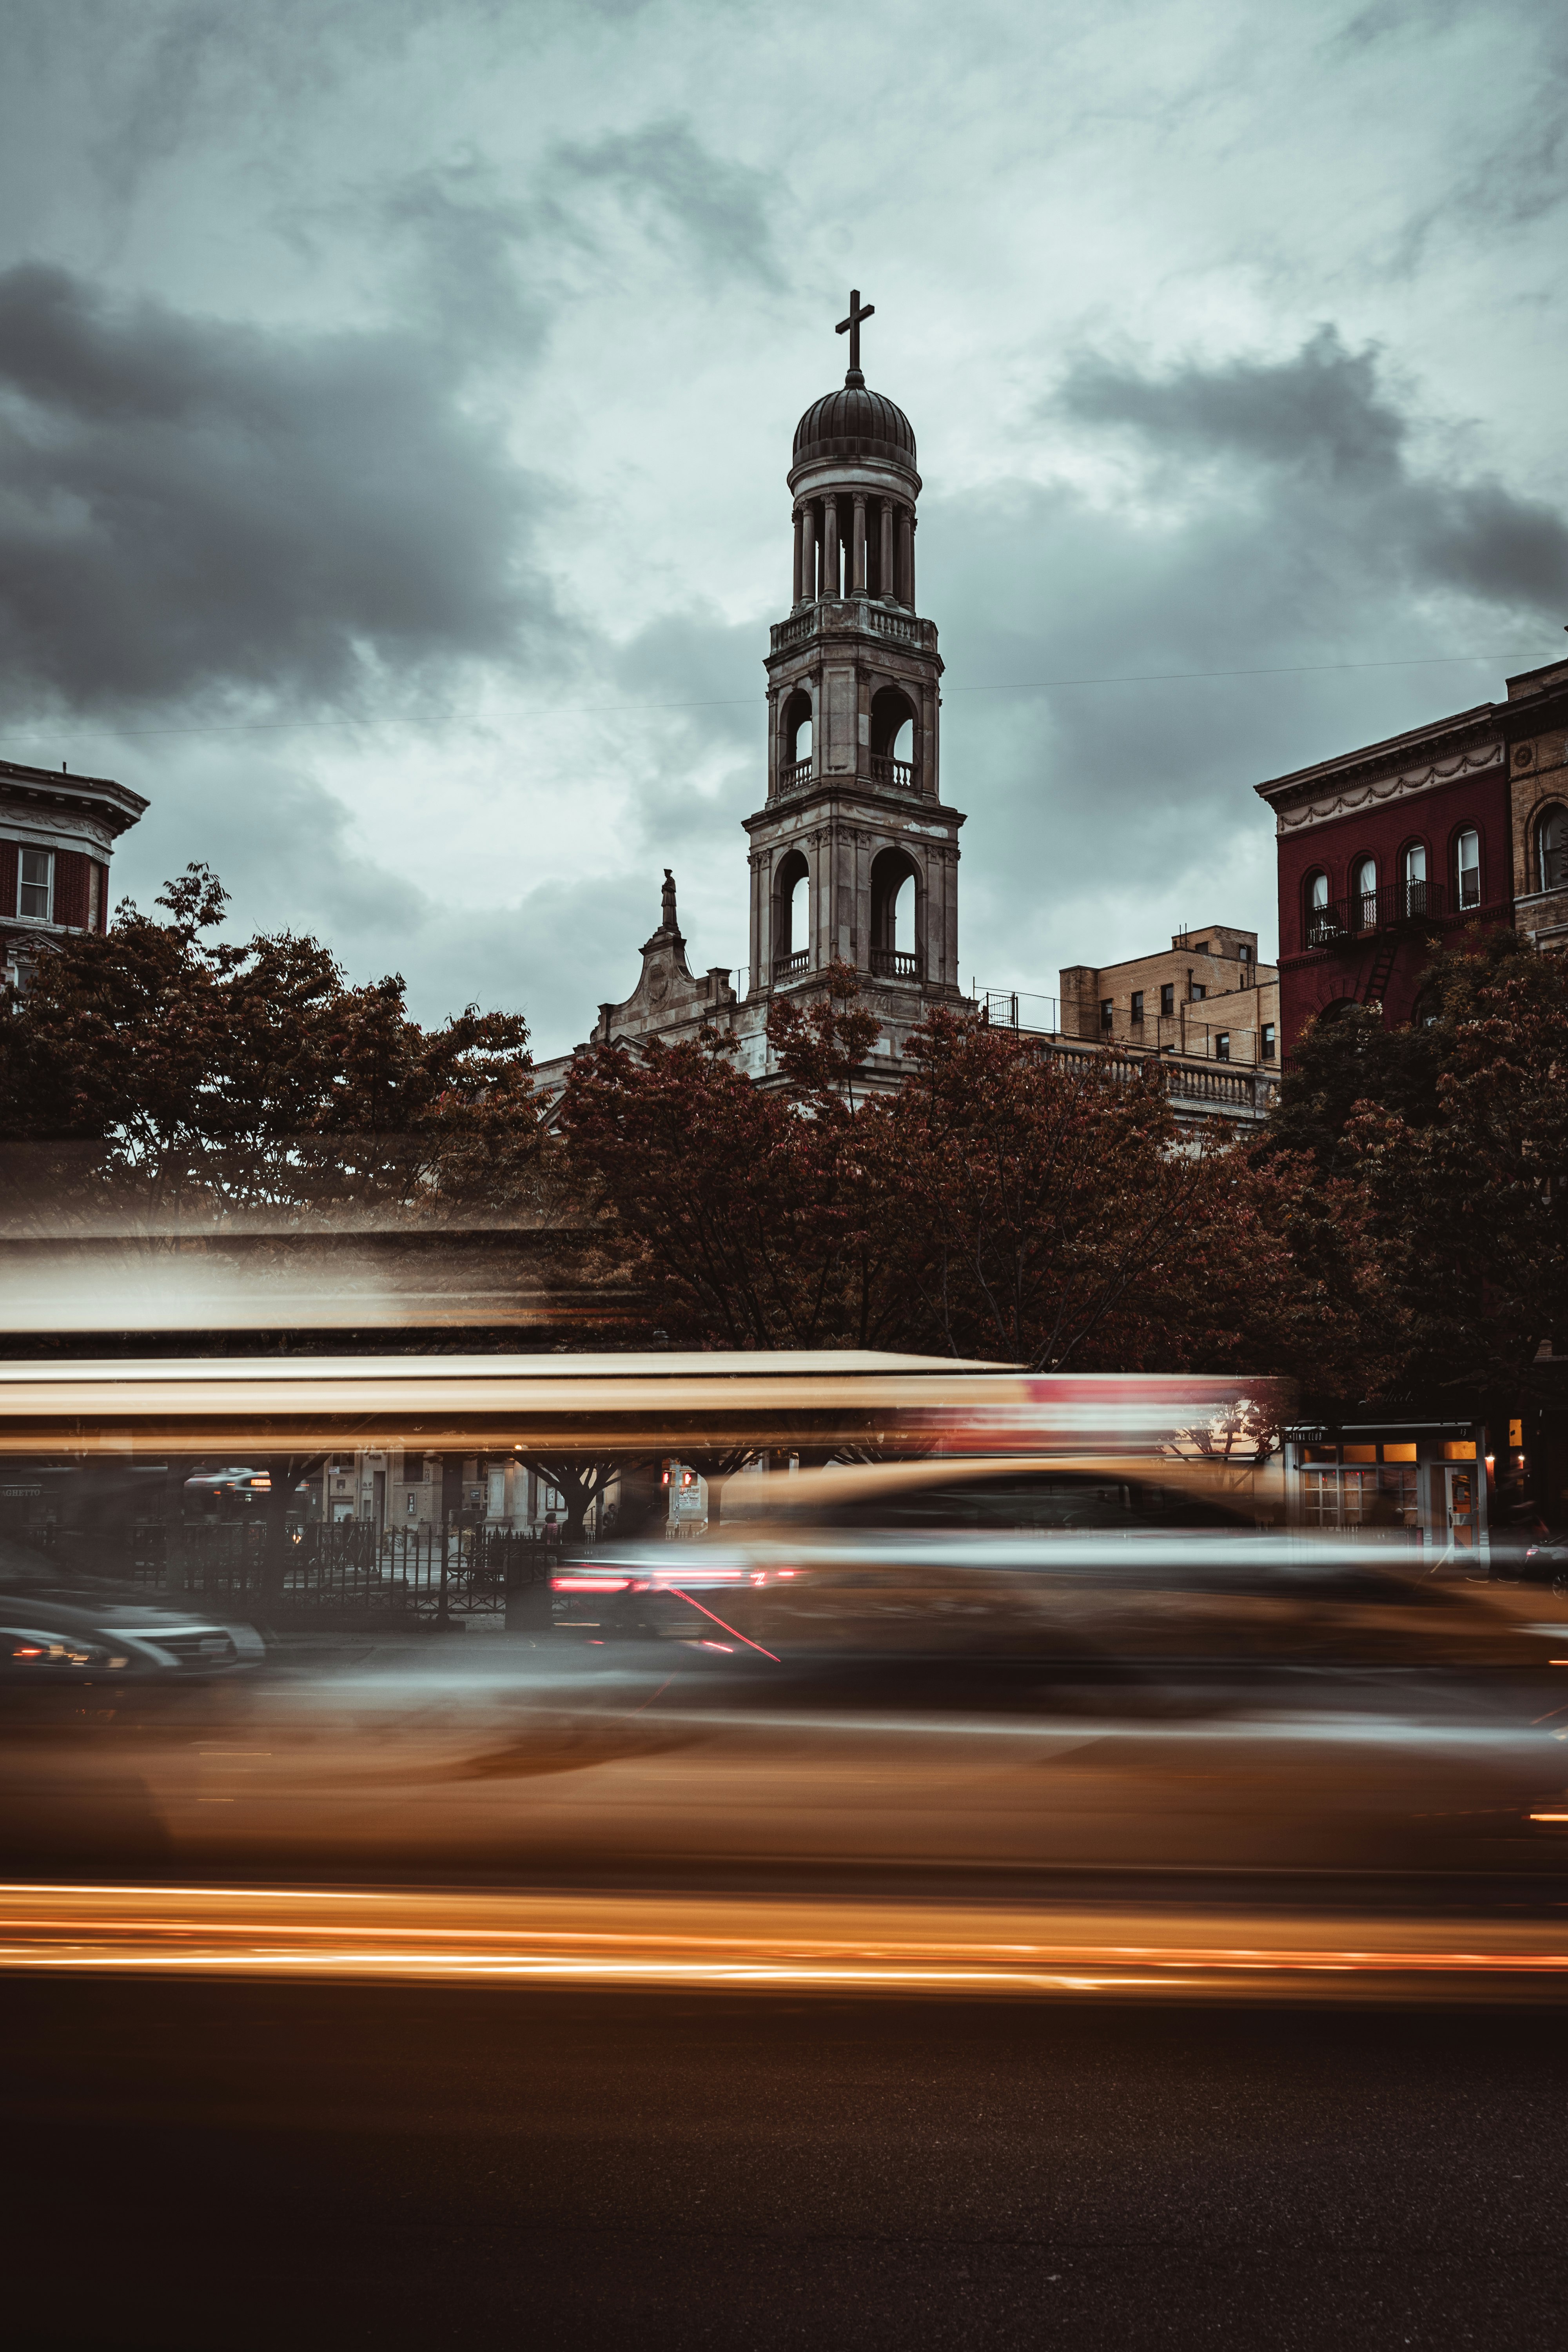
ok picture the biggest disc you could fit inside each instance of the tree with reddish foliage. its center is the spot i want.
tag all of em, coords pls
(1007, 1203)
(188, 1077)
(743, 1206)
(171, 1082)
(1470, 1201)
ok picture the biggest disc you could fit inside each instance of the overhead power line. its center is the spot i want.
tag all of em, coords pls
(736, 701)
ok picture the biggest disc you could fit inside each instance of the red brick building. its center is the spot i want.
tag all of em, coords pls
(58, 834)
(1385, 852)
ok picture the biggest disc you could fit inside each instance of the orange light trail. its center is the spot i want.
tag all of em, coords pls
(736, 1944)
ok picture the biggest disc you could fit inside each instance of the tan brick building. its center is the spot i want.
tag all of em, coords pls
(1205, 998)
(1536, 725)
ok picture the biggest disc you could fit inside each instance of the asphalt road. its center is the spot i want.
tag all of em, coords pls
(234, 2165)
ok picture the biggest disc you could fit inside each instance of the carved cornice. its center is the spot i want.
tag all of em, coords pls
(1348, 799)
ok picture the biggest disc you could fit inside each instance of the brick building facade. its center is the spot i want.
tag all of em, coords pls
(1206, 997)
(1387, 853)
(58, 834)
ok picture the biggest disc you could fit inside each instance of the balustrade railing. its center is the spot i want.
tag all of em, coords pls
(792, 632)
(898, 772)
(790, 967)
(894, 963)
(794, 773)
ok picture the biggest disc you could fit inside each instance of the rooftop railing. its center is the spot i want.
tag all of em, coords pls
(791, 967)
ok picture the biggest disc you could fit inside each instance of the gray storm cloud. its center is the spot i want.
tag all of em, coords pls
(1338, 450)
(187, 504)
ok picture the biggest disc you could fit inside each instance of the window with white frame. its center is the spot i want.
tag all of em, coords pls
(1413, 874)
(35, 885)
(1468, 859)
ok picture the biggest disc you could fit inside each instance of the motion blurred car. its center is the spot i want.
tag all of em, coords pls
(1545, 1563)
(237, 1483)
(52, 1634)
(1096, 1565)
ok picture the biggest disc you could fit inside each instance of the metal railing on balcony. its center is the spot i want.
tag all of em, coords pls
(790, 967)
(794, 774)
(1383, 909)
(893, 963)
(899, 773)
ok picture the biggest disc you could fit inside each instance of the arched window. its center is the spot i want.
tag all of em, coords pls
(1413, 879)
(894, 916)
(1552, 849)
(1363, 894)
(791, 916)
(1316, 911)
(794, 741)
(892, 737)
(1468, 867)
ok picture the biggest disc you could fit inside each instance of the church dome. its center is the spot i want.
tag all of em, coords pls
(854, 423)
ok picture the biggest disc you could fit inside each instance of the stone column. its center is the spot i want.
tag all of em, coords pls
(885, 568)
(799, 541)
(858, 582)
(808, 554)
(829, 548)
(914, 520)
(905, 576)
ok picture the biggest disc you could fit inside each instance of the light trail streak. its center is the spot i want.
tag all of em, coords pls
(719, 1620)
(738, 1945)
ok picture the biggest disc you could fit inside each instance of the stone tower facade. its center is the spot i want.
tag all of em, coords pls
(855, 853)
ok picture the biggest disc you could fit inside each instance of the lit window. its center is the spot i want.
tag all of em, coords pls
(35, 888)
(1469, 860)
(1222, 1046)
(1268, 1040)
(1138, 1005)
(1168, 997)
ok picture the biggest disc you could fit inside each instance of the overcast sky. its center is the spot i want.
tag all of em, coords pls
(395, 401)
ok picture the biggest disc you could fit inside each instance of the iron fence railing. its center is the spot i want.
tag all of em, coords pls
(352, 1569)
(1383, 909)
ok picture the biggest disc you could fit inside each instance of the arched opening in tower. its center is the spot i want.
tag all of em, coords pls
(896, 916)
(791, 916)
(892, 737)
(795, 745)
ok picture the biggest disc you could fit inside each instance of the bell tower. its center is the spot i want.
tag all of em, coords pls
(854, 854)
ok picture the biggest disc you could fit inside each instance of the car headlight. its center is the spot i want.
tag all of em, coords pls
(23, 1648)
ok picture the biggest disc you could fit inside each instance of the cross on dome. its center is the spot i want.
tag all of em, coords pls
(851, 327)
